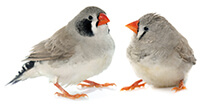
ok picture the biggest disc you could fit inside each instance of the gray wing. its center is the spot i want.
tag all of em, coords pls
(60, 46)
(185, 51)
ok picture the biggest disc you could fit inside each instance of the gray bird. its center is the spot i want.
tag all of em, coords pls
(81, 49)
(158, 53)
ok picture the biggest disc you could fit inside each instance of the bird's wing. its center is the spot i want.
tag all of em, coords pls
(60, 46)
(185, 52)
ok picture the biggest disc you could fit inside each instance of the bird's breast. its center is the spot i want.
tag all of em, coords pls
(74, 70)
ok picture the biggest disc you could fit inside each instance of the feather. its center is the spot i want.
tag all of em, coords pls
(185, 52)
(27, 66)
(60, 46)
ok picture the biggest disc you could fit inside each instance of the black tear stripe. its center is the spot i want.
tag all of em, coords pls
(142, 35)
(84, 28)
(97, 23)
(27, 66)
(145, 31)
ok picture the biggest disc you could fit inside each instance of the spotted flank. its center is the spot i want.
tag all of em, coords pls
(27, 66)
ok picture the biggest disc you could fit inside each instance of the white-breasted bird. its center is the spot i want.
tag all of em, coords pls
(158, 53)
(81, 49)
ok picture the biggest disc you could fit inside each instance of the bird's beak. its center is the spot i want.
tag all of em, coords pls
(133, 26)
(103, 19)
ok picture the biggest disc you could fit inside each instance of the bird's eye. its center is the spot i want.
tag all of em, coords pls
(146, 28)
(90, 18)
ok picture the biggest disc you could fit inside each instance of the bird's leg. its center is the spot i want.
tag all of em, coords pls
(181, 86)
(94, 84)
(66, 94)
(134, 85)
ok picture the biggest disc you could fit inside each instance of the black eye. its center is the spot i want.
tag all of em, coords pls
(146, 28)
(90, 18)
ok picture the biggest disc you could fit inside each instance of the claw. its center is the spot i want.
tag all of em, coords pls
(94, 84)
(134, 85)
(66, 94)
(181, 87)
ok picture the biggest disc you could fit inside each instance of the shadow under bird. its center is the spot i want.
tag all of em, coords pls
(158, 53)
(81, 49)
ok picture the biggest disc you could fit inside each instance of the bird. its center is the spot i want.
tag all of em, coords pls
(79, 50)
(158, 53)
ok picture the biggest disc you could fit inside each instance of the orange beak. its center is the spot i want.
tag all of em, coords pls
(133, 26)
(103, 19)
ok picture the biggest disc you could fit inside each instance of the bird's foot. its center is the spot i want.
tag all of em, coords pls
(94, 84)
(134, 85)
(181, 87)
(66, 94)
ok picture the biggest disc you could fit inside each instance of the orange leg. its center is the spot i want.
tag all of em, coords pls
(94, 84)
(66, 94)
(181, 86)
(134, 85)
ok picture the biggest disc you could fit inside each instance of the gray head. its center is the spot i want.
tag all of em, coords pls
(154, 28)
(88, 21)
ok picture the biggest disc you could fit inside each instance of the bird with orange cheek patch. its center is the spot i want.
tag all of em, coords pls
(158, 53)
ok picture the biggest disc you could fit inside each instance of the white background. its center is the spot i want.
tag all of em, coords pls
(25, 23)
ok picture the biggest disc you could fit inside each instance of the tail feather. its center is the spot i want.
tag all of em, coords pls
(27, 66)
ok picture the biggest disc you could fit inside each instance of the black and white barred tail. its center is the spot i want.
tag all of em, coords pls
(27, 66)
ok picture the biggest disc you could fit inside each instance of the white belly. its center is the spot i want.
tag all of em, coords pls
(69, 72)
(159, 75)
